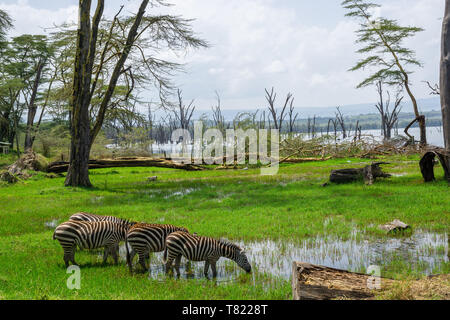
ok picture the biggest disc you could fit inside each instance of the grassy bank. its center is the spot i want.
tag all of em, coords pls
(238, 204)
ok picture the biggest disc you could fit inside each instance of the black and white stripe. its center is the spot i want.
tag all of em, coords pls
(145, 238)
(84, 216)
(196, 248)
(90, 235)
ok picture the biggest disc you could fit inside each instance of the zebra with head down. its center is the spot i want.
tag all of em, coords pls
(196, 248)
(90, 235)
(145, 238)
(90, 217)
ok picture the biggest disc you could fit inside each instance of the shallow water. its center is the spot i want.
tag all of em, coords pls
(424, 252)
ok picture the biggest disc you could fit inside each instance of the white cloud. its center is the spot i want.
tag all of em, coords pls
(28, 19)
(258, 44)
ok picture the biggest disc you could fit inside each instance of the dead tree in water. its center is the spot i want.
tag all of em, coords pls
(333, 121)
(340, 120)
(183, 113)
(218, 118)
(292, 117)
(277, 119)
(388, 118)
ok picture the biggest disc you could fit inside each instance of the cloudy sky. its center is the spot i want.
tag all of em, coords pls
(299, 46)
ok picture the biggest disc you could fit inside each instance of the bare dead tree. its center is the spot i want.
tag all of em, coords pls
(435, 90)
(278, 119)
(218, 118)
(341, 121)
(334, 122)
(262, 120)
(292, 116)
(182, 113)
(388, 118)
(313, 127)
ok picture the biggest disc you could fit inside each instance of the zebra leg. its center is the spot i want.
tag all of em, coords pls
(115, 254)
(72, 256)
(205, 271)
(214, 270)
(105, 255)
(177, 264)
(169, 265)
(142, 260)
(67, 257)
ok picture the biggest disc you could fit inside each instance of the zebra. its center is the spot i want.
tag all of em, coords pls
(84, 216)
(89, 217)
(90, 235)
(197, 248)
(145, 238)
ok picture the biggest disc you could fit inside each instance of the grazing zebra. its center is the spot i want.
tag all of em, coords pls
(206, 249)
(90, 235)
(84, 216)
(145, 238)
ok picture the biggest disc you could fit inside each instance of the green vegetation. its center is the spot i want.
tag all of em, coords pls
(237, 204)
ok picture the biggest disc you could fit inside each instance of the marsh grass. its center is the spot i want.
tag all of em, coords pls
(291, 206)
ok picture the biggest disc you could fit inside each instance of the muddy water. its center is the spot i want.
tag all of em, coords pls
(423, 252)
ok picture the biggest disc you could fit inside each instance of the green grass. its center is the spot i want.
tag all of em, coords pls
(237, 204)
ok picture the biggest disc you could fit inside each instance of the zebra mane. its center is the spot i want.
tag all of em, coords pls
(229, 244)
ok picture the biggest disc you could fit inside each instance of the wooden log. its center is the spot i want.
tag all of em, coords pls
(369, 174)
(59, 167)
(312, 282)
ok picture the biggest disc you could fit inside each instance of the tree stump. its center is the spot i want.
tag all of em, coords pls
(312, 282)
(369, 174)
(428, 161)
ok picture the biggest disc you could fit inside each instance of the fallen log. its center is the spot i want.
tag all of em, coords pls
(369, 174)
(312, 282)
(60, 167)
(303, 160)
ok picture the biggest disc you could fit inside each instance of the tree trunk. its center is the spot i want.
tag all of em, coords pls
(78, 173)
(445, 79)
(80, 148)
(32, 109)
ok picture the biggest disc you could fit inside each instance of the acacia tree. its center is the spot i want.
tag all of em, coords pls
(383, 43)
(5, 24)
(445, 80)
(139, 36)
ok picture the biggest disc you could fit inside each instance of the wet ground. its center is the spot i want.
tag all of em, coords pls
(423, 252)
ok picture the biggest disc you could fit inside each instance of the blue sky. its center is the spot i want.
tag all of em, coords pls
(298, 46)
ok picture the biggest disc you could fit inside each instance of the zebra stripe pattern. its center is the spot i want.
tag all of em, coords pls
(84, 216)
(90, 235)
(145, 238)
(89, 217)
(196, 248)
